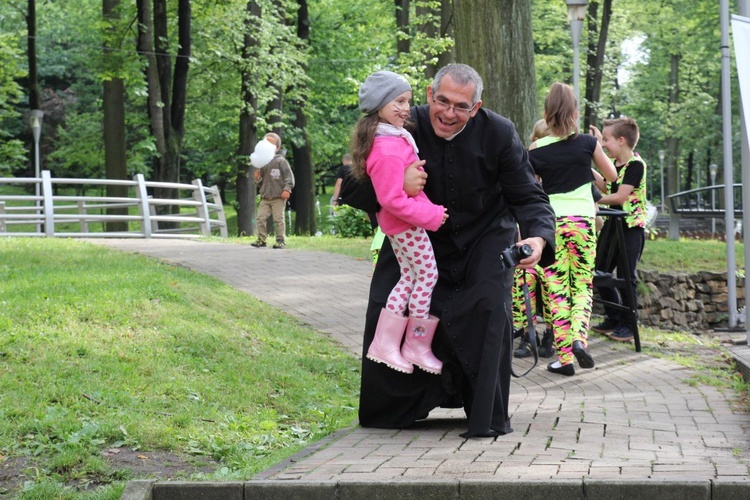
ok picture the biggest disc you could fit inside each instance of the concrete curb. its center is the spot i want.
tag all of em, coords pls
(464, 489)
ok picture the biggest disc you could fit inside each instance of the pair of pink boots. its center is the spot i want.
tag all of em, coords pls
(417, 349)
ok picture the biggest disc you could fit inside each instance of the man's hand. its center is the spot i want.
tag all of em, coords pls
(285, 195)
(537, 245)
(415, 178)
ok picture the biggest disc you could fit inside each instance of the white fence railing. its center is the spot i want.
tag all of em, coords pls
(201, 212)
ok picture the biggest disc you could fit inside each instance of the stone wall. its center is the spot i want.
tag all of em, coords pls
(690, 302)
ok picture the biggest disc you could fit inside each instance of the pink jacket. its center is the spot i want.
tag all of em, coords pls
(386, 163)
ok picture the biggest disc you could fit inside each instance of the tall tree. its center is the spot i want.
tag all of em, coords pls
(33, 78)
(248, 133)
(597, 43)
(494, 37)
(113, 103)
(167, 90)
(402, 26)
(305, 186)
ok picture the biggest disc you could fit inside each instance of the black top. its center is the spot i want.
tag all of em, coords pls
(564, 165)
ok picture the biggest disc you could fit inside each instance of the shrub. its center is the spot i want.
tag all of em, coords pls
(349, 222)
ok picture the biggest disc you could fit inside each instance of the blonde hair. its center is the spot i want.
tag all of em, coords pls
(274, 138)
(540, 130)
(560, 108)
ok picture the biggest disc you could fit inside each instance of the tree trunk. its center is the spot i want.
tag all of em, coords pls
(33, 80)
(33, 85)
(248, 133)
(433, 31)
(167, 91)
(595, 60)
(402, 26)
(115, 151)
(305, 186)
(673, 175)
(494, 37)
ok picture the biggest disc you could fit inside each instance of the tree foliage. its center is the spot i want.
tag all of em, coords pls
(321, 76)
(12, 153)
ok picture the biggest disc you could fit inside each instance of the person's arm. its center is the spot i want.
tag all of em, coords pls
(632, 178)
(599, 182)
(358, 194)
(288, 180)
(605, 166)
(619, 197)
(336, 190)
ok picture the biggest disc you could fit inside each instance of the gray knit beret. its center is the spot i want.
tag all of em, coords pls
(379, 89)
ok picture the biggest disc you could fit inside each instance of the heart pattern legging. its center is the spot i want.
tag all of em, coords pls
(419, 274)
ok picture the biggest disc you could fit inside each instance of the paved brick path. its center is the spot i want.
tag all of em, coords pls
(633, 417)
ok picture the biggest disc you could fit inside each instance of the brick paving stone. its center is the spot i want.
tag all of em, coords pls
(608, 423)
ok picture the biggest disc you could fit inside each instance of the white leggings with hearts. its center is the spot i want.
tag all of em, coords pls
(419, 275)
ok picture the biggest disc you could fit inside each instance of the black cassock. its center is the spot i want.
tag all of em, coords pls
(484, 179)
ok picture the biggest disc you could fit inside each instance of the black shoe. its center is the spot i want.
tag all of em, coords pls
(523, 350)
(279, 244)
(582, 355)
(606, 326)
(621, 334)
(567, 370)
(258, 244)
(546, 346)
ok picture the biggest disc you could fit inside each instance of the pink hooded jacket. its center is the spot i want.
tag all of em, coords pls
(386, 163)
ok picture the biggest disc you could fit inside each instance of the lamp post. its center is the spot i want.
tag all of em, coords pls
(712, 169)
(661, 168)
(36, 128)
(576, 15)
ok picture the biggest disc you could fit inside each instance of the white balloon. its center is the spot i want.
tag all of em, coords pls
(263, 154)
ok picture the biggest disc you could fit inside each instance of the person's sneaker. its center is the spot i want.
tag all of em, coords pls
(621, 334)
(258, 243)
(523, 350)
(279, 244)
(606, 326)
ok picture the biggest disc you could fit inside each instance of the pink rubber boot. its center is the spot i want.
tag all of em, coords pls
(386, 345)
(417, 347)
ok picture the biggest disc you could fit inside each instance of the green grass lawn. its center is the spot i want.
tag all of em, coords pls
(101, 350)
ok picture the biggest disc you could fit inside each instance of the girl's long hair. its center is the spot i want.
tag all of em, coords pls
(362, 139)
(560, 107)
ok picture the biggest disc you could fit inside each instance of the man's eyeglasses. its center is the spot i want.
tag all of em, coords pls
(460, 110)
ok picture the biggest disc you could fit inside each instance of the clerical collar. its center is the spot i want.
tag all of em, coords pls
(456, 134)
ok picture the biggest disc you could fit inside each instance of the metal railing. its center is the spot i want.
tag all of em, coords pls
(200, 211)
(705, 201)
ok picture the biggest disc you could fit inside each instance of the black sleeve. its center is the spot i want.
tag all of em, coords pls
(359, 194)
(633, 174)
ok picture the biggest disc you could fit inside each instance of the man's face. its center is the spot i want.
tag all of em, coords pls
(451, 106)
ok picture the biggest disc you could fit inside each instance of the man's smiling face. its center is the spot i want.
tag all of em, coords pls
(451, 106)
